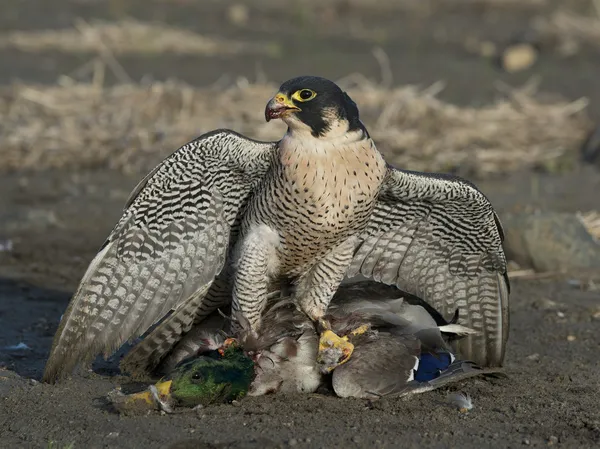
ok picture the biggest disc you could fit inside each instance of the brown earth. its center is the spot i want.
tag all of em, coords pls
(56, 220)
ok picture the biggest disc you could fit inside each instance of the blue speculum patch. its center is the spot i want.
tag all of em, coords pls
(431, 366)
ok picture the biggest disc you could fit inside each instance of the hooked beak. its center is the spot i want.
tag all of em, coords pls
(279, 106)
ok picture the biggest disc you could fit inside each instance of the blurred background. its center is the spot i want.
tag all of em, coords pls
(495, 85)
(95, 93)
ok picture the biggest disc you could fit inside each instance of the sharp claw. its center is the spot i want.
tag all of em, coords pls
(323, 325)
(330, 340)
(333, 349)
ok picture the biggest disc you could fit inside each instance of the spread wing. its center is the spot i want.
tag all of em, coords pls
(169, 245)
(437, 237)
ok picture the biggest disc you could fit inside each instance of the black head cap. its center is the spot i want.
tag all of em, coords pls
(321, 101)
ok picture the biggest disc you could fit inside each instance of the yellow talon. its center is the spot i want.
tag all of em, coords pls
(330, 340)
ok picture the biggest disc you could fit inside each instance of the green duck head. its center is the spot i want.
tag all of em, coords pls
(215, 377)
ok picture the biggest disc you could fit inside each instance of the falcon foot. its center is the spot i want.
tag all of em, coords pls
(335, 350)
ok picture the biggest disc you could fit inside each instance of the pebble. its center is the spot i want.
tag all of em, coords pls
(552, 440)
(571, 338)
(518, 57)
(293, 442)
(6, 246)
(526, 441)
(238, 14)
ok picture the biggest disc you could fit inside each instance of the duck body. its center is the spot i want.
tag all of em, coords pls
(402, 349)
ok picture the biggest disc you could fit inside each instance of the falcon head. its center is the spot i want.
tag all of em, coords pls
(313, 103)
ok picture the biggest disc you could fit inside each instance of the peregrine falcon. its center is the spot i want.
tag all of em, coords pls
(226, 220)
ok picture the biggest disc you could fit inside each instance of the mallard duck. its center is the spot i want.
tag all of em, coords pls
(400, 346)
(216, 376)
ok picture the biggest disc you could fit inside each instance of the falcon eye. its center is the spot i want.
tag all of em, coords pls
(196, 376)
(304, 95)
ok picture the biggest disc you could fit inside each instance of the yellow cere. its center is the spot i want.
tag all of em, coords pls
(284, 100)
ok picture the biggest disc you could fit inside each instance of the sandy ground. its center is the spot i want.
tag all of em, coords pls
(56, 220)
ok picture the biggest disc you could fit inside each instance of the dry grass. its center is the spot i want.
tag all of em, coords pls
(130, 127)
(127, 36)
(591, 220)
(569, 30)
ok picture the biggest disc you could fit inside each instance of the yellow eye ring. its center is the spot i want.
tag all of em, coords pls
(303, 95)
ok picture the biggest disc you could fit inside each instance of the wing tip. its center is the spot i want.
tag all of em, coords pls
(491, 352)
(58, 367)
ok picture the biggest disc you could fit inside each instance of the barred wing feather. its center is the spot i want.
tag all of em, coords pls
(170, 244)
(437, 237)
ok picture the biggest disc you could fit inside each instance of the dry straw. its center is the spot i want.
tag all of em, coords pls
(128, 36)
(569, 30)
(591, 220)
(130, 127)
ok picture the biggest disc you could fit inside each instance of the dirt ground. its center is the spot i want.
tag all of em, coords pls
(53, 222)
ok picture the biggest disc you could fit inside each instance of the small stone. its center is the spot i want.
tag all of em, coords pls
(518, 57)
(560, 314)
(552, 440)
(545, 304)
(235, 403)
(575, 283)
(293, 442)
(571, 338)
(534, 357)
(526, 441)
(238, 14)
